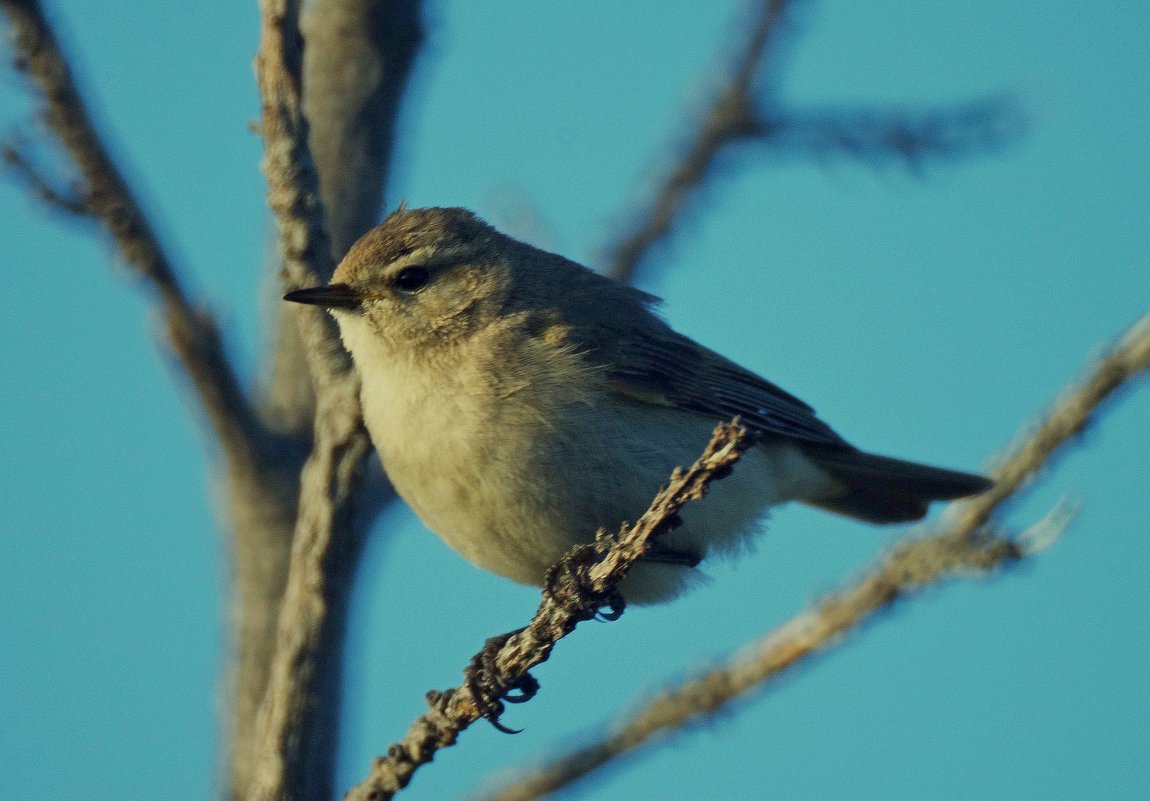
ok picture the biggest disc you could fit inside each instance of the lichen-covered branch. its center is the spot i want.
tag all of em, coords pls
(596, 569)
(263, 449)
(748, 109)
(355, 67)
(964, 545)
(293, 184)
(296, 731)
(297, 727)
(911, 565)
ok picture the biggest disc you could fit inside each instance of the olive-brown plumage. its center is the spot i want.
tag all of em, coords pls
(519, 401)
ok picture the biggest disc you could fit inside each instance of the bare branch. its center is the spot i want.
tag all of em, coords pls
(1076, 408)
(907, 135)
(963, 546)
(296, 730)
(729, 119)
(355, 69)
(65, 200)
(263, 516)
(358, 58)
(297, 725)
(191, 332)
(911, 565)
(747, 109)
(262, 468)
(293, 185)
(356, 65)
(595, 570)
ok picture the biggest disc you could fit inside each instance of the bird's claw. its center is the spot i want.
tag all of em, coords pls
(488, 691)
(612, 608)
(570, 586)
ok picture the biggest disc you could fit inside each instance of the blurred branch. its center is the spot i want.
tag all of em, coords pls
(748, 110)
(67, 200)
(907, 135)
(581, 584)
(105, 196)
(262, 465)
(1077, 407)
(356, 65)
(963, 546)
(263, 455)
(296, 731)
(729, 119)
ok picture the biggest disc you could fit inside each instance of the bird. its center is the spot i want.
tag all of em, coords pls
(520, 401)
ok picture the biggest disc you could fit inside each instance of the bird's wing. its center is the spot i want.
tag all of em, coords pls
(662, 367)
(644, 359)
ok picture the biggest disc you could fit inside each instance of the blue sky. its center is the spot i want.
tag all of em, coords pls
(928, 317)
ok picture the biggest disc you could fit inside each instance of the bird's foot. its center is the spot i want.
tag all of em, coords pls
(489, 690)
(571, 587)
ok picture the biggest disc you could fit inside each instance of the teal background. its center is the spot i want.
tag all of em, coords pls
(928, 316)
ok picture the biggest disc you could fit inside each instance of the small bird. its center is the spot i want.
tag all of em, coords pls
(520, 401)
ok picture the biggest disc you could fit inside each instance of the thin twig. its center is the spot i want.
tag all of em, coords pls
(962, 546)
(106, 196)
(911, 565)
(1076, 408)
(749, 109)
(908, 136)
(730, 118)
(296, 729)
(66, 200)
(597, 568)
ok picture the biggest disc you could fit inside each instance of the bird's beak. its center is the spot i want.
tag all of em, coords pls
(332, 296)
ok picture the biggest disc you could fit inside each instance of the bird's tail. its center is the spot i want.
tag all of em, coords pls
(880, 489)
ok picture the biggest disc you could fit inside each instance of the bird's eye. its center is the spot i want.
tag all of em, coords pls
(411, 279)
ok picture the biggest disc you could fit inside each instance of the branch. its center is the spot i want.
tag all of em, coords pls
(105, 195)
(729, 119)
(962, 544)
(66, 200)
(358, 58)
(293, 185)
(595, 569)
(910, 566)
(906, 135)
(356, 66)
(296, 730)
(262, 465)
(909, 136)
(1077, 407)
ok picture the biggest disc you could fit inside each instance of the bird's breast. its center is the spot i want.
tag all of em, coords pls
(483, 453)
